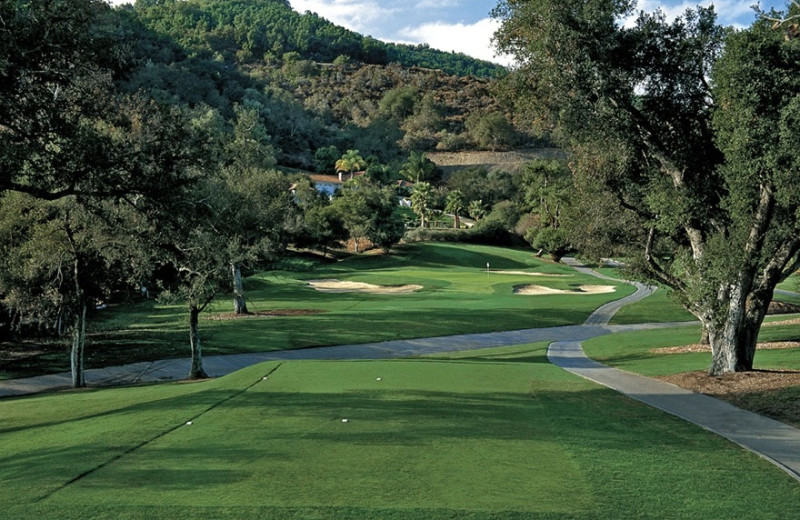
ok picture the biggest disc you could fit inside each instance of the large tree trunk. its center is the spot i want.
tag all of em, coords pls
(733, 347)
(196, 371)
(734, 339)
(78, 346)
(239, 303)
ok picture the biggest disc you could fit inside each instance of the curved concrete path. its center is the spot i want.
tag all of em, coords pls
(775, 441)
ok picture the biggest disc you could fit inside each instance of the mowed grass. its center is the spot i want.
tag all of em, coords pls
(494, 434)
(633, 351)
(458, 296)
(659, 307)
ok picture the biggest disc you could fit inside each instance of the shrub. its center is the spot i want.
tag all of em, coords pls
(552, 240)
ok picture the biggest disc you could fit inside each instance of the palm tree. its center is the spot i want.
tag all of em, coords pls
(418, 168)
(421, 199)
(476, 209)
(455, 204)
(350, 162)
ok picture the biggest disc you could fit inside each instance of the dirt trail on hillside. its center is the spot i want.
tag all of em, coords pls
(509, 161)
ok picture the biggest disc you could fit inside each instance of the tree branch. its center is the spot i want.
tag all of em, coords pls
(761, 221)
(662, 275)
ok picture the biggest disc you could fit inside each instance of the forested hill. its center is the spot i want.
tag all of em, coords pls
(312, 85)
(252, 31)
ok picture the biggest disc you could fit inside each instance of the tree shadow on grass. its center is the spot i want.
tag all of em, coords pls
(260, 426)
(373, 326)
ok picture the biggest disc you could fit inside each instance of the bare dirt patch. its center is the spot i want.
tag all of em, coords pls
(539, 290)
(699, 347)
(773, 393)
(264, 314)
(10, 352)
(511, 161)
(782, 308)
(339, 286)
(793, 321)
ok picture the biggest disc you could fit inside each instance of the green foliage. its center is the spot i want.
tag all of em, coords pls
(547, 188)
(224, 53)
(381, 174)
(552, 240)
(322, 227)
(490, 131)
(418, 168)
(399, 103)
(506, 214)
(422, 202)
(351, 162)
(479, 184)
(476, 209)
(251, 146)
(105, 166)
(423, 128)
(369, 211)
(455, 285)
(757, 81)
(455, 204)
(699, 169)
(451, 63)
(325, 158)
(59, 256)
(224, 28)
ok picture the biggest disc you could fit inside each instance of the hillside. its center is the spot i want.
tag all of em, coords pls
(511, 161)
(252, 31)
(314, 85)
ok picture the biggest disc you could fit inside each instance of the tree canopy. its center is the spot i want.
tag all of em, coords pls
(660, 114)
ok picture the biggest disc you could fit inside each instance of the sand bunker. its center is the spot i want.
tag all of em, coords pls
(538, 290)
(338, 286)
(526, 273)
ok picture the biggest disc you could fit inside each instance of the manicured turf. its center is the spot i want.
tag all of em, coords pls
(632, 351)
(496, 434)
(459, 296)
(659, 307)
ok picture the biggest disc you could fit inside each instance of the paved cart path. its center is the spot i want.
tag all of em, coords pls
(773, 440)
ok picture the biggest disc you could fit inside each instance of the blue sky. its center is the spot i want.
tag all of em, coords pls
(466, 26)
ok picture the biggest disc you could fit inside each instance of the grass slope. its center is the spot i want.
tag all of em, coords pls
(660, 307)
(632, 351)
(497, 434)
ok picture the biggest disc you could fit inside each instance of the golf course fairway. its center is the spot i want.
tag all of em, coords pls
(495, 434)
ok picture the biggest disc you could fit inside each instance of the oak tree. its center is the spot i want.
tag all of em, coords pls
(689, 131)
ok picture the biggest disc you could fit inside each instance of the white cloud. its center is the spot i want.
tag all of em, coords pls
(729, 12)
(356, 15)
(471, 39)
(436, 4)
